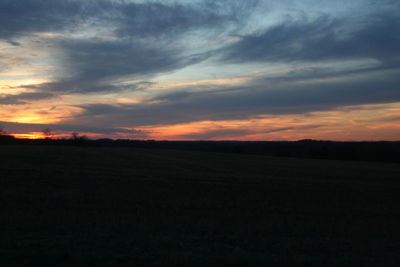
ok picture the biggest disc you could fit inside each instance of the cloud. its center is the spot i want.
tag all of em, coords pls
(23, 98)
(116, 39)
(152, 19)
(27, 16)
(90, 66)
(97, 61)
(132, 19)
(222, 130)
(215, 134)
(14, 43)
(271, 97)
(325, 38)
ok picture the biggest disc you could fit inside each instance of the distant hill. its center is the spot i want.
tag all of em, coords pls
(383, 151)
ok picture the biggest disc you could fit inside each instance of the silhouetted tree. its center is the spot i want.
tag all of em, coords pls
(75, 136)
(47, 133)
(2, 132)
(79, 139)
(5, 137)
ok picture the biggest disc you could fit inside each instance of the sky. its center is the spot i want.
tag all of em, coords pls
(201, 69)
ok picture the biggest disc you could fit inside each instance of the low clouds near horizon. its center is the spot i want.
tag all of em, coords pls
(201, 69)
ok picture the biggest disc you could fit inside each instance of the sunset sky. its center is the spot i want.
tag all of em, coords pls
(201, 69)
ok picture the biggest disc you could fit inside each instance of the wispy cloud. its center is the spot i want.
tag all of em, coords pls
(22, 98)
(244, 102)
(324, 38)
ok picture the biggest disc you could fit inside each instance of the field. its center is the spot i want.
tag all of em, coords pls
(115, 206)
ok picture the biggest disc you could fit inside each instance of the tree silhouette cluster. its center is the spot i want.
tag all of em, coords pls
(5, 137)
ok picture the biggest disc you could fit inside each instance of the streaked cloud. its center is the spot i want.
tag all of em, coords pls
(323, 38)
(23, 98)
(275, 97)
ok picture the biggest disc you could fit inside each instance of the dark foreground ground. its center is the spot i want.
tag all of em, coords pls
(113, 206)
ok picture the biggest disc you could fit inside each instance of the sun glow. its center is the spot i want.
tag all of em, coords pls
(38, 114)
(31, 135)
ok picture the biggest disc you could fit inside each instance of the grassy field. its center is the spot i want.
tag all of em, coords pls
(93, 206)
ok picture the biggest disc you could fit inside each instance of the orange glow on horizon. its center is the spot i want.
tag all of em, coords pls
(354, 123)
(40, 135)
(32, 135)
